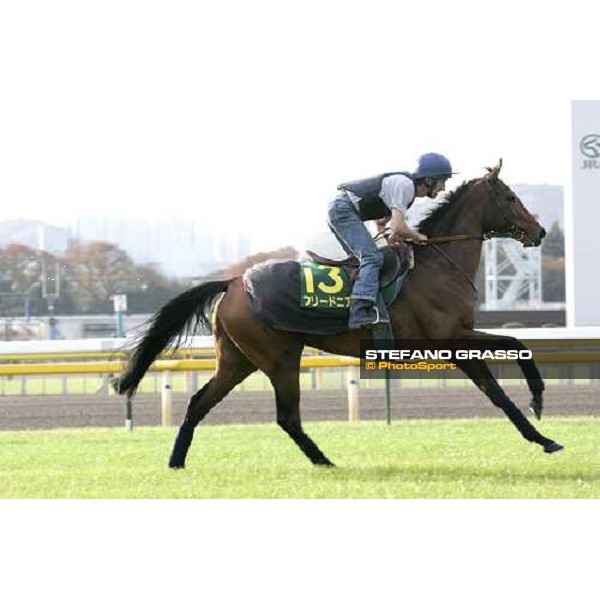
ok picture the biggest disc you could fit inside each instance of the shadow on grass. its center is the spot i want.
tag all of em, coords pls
(441, 473)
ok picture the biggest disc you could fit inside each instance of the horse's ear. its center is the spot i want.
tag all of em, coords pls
(493, 173)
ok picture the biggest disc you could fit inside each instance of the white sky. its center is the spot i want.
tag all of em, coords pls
(245, 115)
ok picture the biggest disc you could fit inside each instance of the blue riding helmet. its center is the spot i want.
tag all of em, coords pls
(433, 165)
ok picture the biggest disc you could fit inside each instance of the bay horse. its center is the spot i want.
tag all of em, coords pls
(437, 302)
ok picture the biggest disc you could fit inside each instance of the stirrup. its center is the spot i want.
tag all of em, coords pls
(377, 323)
(367, 321)
(380, 320)
(378, 316)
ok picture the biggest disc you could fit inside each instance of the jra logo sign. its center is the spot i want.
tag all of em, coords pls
(590, 148)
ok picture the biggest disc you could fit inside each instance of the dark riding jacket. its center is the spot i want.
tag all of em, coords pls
(371, 206)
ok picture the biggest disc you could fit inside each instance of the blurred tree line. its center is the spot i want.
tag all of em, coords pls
(89, 275)
(86, 276)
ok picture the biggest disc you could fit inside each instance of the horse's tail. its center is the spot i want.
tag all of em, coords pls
(180, 318)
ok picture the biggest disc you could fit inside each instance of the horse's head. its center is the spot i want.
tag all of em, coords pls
(506, 215)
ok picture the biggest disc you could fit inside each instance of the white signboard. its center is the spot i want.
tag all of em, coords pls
(583, 247)
(120, 302)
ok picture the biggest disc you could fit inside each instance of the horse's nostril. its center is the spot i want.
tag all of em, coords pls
(543, 234)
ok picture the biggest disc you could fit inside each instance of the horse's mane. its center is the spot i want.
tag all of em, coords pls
(431, 218)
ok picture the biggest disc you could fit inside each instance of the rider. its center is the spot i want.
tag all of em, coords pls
(384, 196)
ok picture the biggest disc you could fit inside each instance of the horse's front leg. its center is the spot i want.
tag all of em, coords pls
(482, 377)
(535, 383)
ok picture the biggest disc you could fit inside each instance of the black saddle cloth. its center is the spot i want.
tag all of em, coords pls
(274, 289)
(277, 291)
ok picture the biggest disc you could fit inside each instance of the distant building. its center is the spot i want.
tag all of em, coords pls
(34, 234)
(545, 201)
(231, 248)
(178, 245)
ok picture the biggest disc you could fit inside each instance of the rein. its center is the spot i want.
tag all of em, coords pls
(433, 242)
(450, 238)
(444, 239)
(440, 251)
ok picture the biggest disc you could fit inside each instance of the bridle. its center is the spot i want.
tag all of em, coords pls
(512, 231)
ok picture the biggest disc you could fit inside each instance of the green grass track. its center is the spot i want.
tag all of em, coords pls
(475, 458)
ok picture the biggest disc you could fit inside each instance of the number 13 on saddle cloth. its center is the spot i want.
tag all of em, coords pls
(324, 286)
(313, 296)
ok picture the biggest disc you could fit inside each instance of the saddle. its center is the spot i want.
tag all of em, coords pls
(397, 259)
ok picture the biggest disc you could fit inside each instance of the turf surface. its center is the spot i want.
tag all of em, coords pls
(475, 458)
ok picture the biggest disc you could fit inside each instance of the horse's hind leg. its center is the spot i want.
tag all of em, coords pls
(482, 377)
(277, 354)
(232, 368)
(286, 382)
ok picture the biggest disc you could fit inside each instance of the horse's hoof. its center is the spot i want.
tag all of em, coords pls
(326, 465)
(553, 447)
(176, 465)
(536, 406)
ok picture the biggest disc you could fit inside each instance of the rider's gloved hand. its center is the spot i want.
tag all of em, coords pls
(414, 237)
(419, 238)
